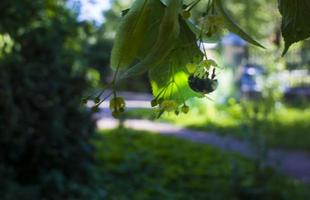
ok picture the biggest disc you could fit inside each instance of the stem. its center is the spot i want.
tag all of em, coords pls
(192, 5)
(212, 8)
(208, 7)
(114, 82)
(105, 98)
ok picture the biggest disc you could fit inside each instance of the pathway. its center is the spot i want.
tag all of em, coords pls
(293, 163)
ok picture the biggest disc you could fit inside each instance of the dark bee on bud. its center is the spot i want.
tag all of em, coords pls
(203, 85)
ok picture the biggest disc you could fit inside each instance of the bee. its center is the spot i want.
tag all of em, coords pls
(203, 85)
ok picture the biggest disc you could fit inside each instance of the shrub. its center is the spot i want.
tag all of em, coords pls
(44, 131)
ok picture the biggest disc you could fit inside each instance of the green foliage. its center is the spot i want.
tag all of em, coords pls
(295, 26)
(168, 33)
(169, 79)
(132, 32)
(44, 152)
(148, 166)
(95, 48)
(260, 18)
(169, 27)
(233, 26)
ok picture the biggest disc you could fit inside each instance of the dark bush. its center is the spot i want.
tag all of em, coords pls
(44, 130)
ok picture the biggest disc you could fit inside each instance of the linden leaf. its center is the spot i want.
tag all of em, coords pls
(295, 21)
(132, 31)
(233, 26)
(169, 80)
(168, 33)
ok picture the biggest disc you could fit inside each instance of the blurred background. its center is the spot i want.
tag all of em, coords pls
(250, 139)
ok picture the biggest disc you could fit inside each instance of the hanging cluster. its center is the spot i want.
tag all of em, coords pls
(117, 106)
(168, 105)
(159, 38)
(201, 79)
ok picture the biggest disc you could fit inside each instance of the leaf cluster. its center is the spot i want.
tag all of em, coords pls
(158, 37)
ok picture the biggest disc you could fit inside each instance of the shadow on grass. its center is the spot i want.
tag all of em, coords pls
(135, 165)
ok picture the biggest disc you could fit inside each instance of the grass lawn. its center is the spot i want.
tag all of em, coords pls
(142, 166)
(287, 128)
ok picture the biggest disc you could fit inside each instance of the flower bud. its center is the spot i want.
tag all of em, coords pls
(185, 109)
(117, 103)
(97, 100)
(95, 109)
(191, 68)
(168, 105)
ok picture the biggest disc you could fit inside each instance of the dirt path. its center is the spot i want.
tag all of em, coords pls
(293, 163)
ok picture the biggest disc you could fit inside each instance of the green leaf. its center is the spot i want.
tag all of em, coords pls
(168, 33)
(169, 80)
(233, 26)
(295, 21)
(132, 31)
(200, 34)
